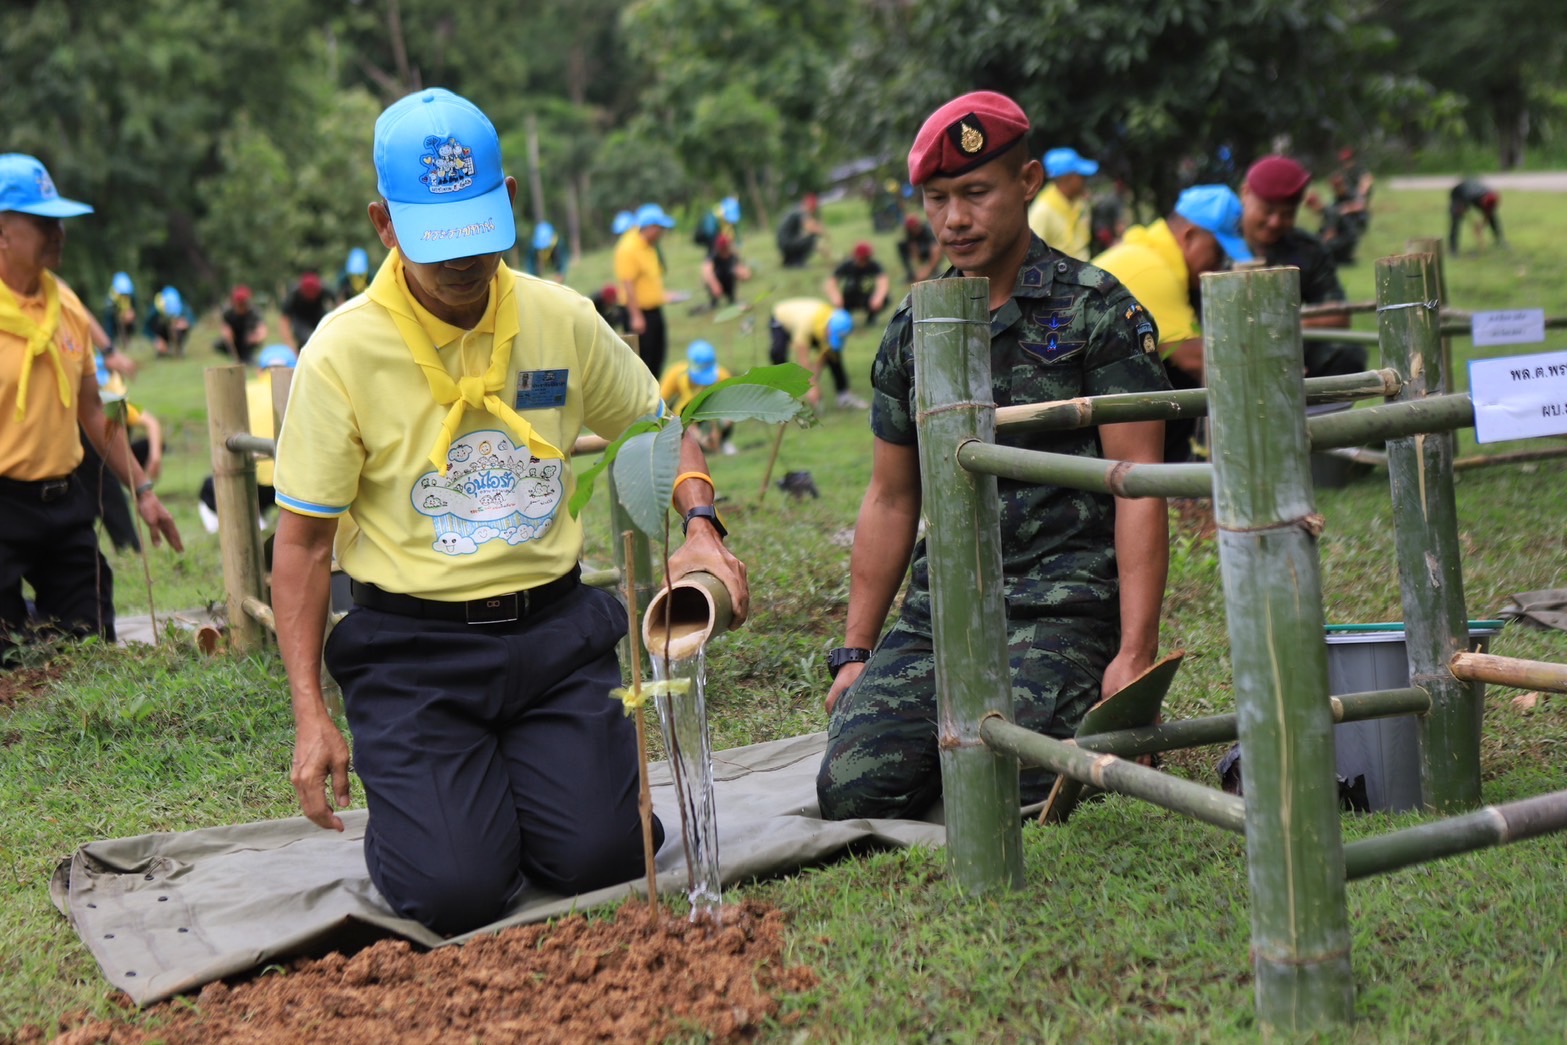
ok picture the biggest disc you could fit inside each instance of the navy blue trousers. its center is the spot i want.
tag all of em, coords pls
(491, 756)
(54, 547)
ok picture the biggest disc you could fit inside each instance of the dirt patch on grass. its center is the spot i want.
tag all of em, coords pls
(21, 684)
(576, 980)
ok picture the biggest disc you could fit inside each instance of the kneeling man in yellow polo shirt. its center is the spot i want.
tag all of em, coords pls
(428, 435)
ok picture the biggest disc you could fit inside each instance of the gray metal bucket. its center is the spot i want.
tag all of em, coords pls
(1384, 751)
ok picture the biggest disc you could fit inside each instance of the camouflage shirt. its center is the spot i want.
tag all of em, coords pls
(1068, 330)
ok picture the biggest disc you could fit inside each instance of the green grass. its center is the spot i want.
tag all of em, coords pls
(1134, 922)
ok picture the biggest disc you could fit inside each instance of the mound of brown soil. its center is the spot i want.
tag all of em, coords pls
(573, 981)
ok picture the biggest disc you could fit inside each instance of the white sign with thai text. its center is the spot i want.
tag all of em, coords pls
(1519, 326)
(1519, 397)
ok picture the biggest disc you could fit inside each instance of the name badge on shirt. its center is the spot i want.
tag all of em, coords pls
(541, 389)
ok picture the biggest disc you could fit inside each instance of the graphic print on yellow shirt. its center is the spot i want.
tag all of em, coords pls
(493, 490)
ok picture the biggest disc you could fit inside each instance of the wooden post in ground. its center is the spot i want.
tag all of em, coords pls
(1433, 247)
(234, 491)
(1425, 520)
(1268, 529)
(954, 403)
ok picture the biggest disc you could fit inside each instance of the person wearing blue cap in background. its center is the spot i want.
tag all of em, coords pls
(119, 311)
(546, 254)
(684, 381)
(433, 418)
(639, 268)
(1059, 214)
(48, 403)
(722, 220)
(813, 333)
(355, 276)
(1162, 265)
(168, 323)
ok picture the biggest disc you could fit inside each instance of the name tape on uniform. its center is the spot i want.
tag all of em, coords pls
(1519, 326)
(1519, 397)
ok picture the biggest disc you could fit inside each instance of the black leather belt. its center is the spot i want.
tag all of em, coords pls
(492, 609)
(44, 490)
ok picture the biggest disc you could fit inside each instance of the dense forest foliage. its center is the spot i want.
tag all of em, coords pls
(225, 141)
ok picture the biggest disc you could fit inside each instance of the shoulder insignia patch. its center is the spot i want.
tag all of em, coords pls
(1148, 342)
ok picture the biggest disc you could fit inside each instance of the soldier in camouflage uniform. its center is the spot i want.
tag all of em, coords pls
(1084, 572)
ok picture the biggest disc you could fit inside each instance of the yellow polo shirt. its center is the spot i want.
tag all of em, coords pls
(677, 390)
(361, 421)
(1060, 222)
(636, 262)
(46, 443)
(806, 321)
(1149, 263)
(258, 399)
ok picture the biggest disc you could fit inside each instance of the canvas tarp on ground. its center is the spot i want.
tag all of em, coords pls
(166, 913)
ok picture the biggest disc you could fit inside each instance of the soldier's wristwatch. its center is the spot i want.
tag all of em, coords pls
(837, 658)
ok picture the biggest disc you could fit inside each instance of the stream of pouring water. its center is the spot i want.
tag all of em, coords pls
(683, 721)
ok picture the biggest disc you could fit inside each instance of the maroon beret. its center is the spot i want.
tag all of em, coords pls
(1278, 179)
(966, 133)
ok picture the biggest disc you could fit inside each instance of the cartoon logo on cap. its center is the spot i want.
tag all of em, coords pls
(969, 139)
(46, 189)
(450, 164)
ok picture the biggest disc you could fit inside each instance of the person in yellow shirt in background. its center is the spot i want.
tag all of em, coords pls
(682, 383)
(48, 401)
(258, 402)
(813, 333)
(1059, 215)
(640, 269)
(108, 498)
(1162, 265)
(428, 442)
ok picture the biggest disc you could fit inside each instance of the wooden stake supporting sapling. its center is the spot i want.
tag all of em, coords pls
(633, 699)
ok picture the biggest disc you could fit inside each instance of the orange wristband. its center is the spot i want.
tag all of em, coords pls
(683, 476)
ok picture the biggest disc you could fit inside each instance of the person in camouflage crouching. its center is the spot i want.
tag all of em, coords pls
(1084, 572)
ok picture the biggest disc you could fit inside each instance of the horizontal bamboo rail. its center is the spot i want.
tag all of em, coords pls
(260, 612)
(1121, 478)
(1437, 413)
(609, 578)
(1486, 827)
(1221, 729)
(1208, 804)
(1463, 464)
(1371, 337)
(1509, 671)
(1087, 411)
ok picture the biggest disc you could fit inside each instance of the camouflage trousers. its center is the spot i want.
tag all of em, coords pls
(882, 759)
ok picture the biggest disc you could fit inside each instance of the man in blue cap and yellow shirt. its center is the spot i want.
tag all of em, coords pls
(429, 433)
(48, 400)
(1162, 265)
(639, 268)
(1059, 214)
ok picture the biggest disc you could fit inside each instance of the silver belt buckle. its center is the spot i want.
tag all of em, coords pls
(497, 609)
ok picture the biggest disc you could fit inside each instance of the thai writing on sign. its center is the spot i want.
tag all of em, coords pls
(1519, 326)
(1519, 397)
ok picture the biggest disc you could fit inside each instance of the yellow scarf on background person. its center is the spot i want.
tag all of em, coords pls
(466, 392)
(39, 338)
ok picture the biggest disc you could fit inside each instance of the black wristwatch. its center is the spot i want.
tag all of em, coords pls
(837, 658)
(708, 512)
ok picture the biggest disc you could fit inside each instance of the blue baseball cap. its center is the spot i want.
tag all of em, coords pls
(653, 214)
(839, 325)
(170, 303)
(543, 236)
(701, 363)
(358, 262)
(1068, 161)
(623, 221)
(121, 284)
(25, 187)
(729, 207)
(276, 355)
(1217, 209)
(438, 166)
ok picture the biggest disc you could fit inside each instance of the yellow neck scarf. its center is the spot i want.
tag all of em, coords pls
(477, 393)
(39, 338)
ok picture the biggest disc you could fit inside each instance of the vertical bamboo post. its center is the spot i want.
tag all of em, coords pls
(637, 556)
(1433, 246)
(1267, 526)
(234, 491)
(1425, 520)
(954, 403)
